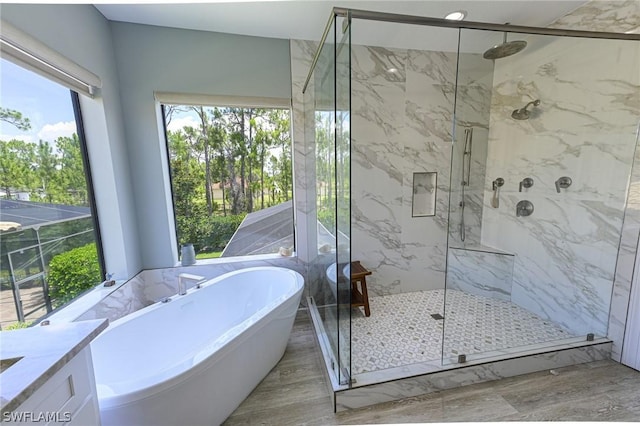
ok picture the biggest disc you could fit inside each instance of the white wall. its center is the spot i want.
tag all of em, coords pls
(83, 35)
(124, 134)
(157, 59)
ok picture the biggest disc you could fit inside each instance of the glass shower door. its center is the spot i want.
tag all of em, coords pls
(320, 118)
(531, 258)
(343, 191)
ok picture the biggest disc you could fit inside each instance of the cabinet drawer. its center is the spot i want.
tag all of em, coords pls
(62, 395)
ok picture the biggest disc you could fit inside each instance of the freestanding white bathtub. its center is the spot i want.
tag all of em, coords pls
(193, 360)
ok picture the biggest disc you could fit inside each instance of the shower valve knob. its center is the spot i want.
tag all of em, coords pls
(564, 182)
(524, 208)
(526, 183)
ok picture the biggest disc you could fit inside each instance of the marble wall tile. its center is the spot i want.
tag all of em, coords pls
(480, 273)
(611, 15)
(617, 16)
(584, 128)
(475, 80)
(127, 299)
(625, 267)
(302, 53)
(401, 124)
(150, 286)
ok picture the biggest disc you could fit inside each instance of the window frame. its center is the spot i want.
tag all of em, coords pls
(225, 101)
(88, 178)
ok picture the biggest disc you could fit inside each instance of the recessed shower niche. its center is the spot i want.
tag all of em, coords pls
(423, 202)
(475, 286)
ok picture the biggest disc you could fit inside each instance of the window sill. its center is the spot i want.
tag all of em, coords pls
(235, 259)
(80, 305)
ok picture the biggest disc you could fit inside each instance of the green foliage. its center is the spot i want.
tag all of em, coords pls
(72, 272)
(17, 325)
(209, 255)
(52, 173)
(222, 229)
(16, 158)
(14, 117)
(209, 233)
(327, 218)
(234, 162)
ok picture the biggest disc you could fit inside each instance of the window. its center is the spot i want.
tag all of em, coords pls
(50, 248)
(231, 178)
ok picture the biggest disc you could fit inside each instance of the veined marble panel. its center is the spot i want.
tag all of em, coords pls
(302, 53)
(377, 163)
(611, 15)
(617, 16)
(401, 124)
(160, 283)
(125, 300)
(475, 80)
(563, 271)
(480, 273)
(149, 286)
(584, 128)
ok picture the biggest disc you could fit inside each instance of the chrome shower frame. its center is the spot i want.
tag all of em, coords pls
(370, 15)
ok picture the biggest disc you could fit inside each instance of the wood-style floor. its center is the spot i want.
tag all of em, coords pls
(295, 393)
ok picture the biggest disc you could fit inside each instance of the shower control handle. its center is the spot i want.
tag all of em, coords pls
(495, 200)
(564, 182)
(524, 208)
(526, 183)
(497, 183)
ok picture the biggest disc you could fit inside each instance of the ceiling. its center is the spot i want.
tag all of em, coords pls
(306, 19)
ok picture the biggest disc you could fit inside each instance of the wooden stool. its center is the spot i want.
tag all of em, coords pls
(359, 297)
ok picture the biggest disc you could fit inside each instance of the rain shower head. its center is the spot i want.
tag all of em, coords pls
(505, 49)
(522, 113)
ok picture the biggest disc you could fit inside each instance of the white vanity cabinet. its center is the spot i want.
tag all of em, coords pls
(48, 377)
(68, 397)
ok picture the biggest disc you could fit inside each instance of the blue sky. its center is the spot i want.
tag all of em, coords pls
(45, 103)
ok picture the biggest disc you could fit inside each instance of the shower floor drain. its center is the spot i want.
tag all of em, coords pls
(437, 316)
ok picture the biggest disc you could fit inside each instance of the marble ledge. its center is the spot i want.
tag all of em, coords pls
(481, 249)
(80, 305)
(235, 259)
(44, 351)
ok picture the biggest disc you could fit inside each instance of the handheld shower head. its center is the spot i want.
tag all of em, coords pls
(523, 113)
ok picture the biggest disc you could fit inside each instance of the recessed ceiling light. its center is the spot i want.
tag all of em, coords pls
(458, 15)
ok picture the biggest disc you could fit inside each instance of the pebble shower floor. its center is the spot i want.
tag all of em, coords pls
(401, 330)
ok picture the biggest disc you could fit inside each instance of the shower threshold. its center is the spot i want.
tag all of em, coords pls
(402, 343)
(418, 379)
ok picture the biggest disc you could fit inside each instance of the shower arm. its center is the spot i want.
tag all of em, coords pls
(534, 103)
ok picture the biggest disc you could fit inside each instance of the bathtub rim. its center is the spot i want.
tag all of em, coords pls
(205, 284)
(226, 343)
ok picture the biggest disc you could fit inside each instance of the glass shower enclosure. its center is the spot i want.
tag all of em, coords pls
(480, 173)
